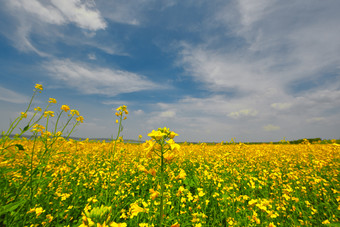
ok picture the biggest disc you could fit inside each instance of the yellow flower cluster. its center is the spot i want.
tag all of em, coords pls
(49, 113)
(39, 87)
(52, 100)
(65, 108)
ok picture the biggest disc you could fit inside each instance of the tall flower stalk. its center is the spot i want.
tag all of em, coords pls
(121, 114)
(162, 144)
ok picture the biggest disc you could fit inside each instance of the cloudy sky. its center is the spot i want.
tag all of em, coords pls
(209, 70)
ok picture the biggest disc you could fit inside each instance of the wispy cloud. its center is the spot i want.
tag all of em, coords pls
(44, 18)
(96, 80)
(271, 127)
(316, 119)
(281, 106)
(92, 56)
(167, 114)
(131, 12)
(277, 44)
(59, 12)
(280, 58)
(83, 14)
(12, 96)
(243, 113)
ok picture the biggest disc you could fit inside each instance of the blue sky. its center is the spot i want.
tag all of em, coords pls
(259, 70)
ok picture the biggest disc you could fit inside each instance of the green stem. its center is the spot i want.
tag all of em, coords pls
(11, 128)
(162, 185)
(112, 155)
(68, 121)
(72, 130)
(56, 124)
(113, 151)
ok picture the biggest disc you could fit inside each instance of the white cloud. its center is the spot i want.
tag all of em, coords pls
(12, 96)
(43, 18)
(126, 12)
(138, 112)
(316, 119)
(279, 42)
(92, 56)
(60, 12)
(46, 13)
(96, 80)
(271, 127)
(83, 14)
(115, 103)
(252, 11)
(167, 114)
(134, 13)
(243, 113)
(281, 106)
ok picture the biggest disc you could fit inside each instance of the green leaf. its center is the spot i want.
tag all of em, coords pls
(11, 207)
(20, 147)
(26, 128)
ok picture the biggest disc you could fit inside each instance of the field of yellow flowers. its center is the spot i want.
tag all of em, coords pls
(219, 185)
(50, 180)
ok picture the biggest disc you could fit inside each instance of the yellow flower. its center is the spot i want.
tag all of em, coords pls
(39, 87)
(37, 210)
(200, 192)
(142, 168)
(49, 113)
(65, 108)
(114, 224)
(175, 225)
(182, 174)
(135, 210)
(157, 135)
(74, 112)
(49, 217)
(180, 191)
(37, 109)
(154, 194)
(117, 121)
(121, 108)
(52, 100)
(58, 133)
(164, 130)
(140, 137)
(148, 146)
(168, 157)
(252, 202)
(326, 222)
(143, 225)
(47, 134)
(38, 128)
(174, 146)
(23, 114)
(152, 172)
(92, 199)
(80, 118)
(172, 135)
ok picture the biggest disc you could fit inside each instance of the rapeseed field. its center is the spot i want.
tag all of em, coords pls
(50, 180)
